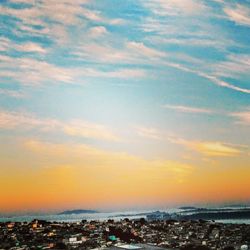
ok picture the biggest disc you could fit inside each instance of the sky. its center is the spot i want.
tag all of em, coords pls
(124, 104)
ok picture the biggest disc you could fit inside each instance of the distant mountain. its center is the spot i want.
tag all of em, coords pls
(78, 211)
(203, 214)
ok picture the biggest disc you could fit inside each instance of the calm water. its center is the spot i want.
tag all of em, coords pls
(101, 216)
(241, 221)
(85, 216)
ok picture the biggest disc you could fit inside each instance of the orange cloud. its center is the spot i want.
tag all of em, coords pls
(209, 148)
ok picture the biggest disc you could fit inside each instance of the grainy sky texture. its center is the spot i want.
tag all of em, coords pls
(120, 104)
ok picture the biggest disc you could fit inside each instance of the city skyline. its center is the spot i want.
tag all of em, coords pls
(124, 104)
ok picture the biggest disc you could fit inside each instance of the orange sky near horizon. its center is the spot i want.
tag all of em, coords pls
(46, 176)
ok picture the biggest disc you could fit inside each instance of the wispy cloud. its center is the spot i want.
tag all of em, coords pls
(150, 133)
(12, 93)
(188, 109)
(64, 12)
(78, 128)
(242, 117)
(55, 20)
(28, 47)
(225, 84)
(97, 31)
(209, 148)
(240, 14)
(129, 52)
(29, 71)
(33, 71)
(140, 48)
(164, 31)
(192, 41)
(215, 149)
(89, 130)
(99, 44)
(209, 76)
(175, 7)
(140, 54)
(206, 148)
(119, 73)
(234, 66)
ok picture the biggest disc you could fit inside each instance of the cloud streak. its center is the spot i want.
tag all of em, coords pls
(209, 148)
(150, 133)
(77, 128)
(240, 14)
(188, 109)
(175, 7)
(206, 148)
(242, 117)
(29, 71)
(12, 93)
(29, 47)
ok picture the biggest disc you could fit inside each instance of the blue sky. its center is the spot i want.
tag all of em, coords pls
(164, 80)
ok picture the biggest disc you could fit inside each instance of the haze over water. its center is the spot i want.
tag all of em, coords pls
(76, 216)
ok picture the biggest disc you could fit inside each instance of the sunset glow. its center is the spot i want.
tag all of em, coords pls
(118, 105)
